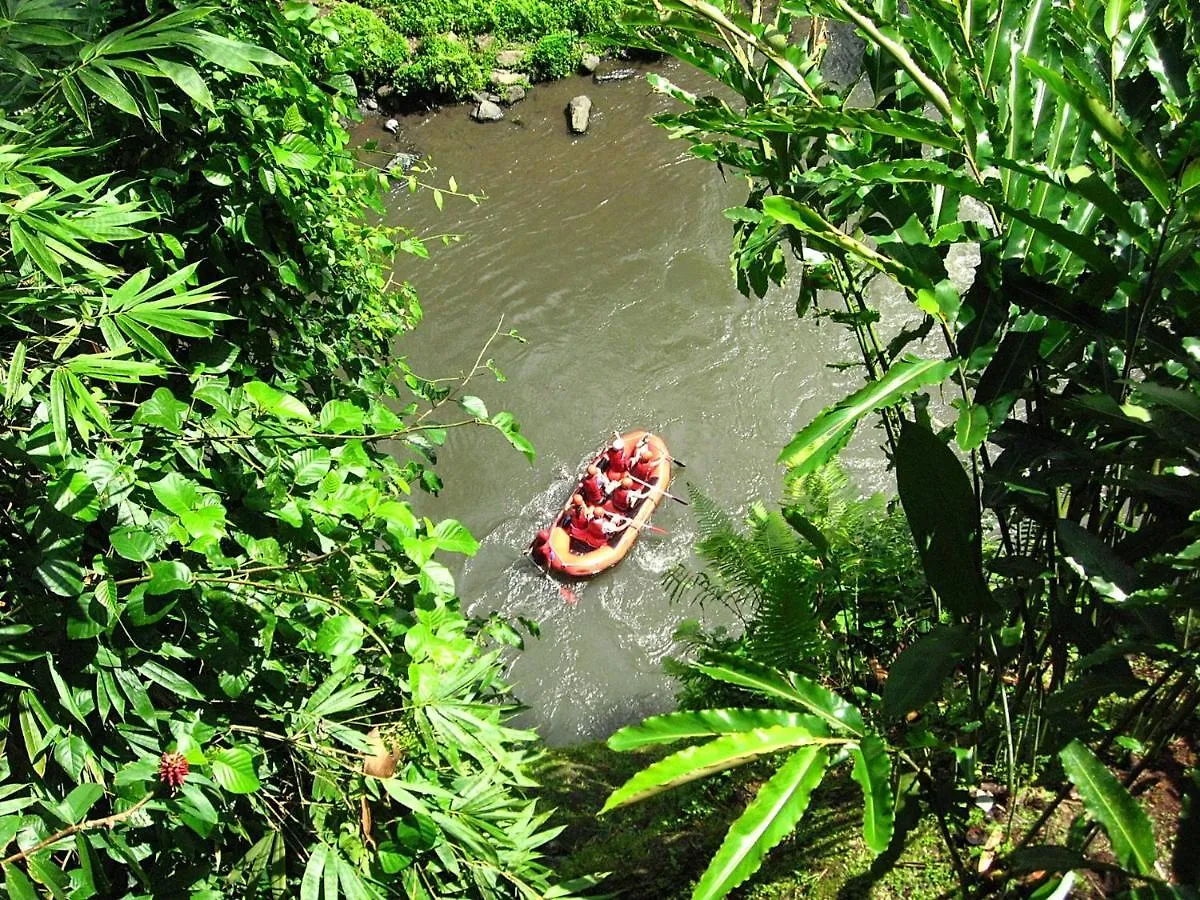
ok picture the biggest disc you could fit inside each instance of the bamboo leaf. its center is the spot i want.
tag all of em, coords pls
(770, 817)
(829, 431)
(109, 89)
(1124, 821)
(677, 726)
(719, 754)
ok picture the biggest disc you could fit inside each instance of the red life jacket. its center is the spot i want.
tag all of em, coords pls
(644, 470)
(618, 462)
(625, 498)
(593, 490)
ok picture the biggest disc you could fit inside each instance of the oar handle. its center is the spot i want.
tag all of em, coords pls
(662, 491)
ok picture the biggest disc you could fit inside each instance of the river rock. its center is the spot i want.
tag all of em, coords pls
(481, 96)
(504, 78)
(391, 125)
(370, 104)
(403, 161)
(510, 59)
(589, 63)
(384, 91)
(514, 94)
(487, 111)
(484, 41)
(612, 72)
(580, 112)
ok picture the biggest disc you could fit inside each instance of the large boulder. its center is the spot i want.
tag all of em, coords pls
(589, 63)
(504, 78)
(579, 111)
(510, 59)
(514, 94)
(391, 125)
(487, 111)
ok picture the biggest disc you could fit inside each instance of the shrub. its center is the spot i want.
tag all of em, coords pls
(379, 50)
(554, 56)
(444, 67)
(428, 17)
(530, 19)
(592, 17)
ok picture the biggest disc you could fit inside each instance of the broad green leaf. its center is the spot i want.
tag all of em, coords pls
(312, 464)
(917, 674)
(167, 576)
(473, 406)
(812, 224)
(831, 429)
(971, 430)
(1093, 559)
(720, 753)
(786, 686)
(177, 493)
(19, 886)
(770, 817)
(677, 726)
(276, 402)
(233, 769)
(76, 804)
(943, 515)
(453, 537)
(1125, 822)
(873, 772)
(339, 635)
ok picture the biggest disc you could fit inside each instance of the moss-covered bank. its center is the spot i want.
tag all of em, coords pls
(659, 848)
(446, 49)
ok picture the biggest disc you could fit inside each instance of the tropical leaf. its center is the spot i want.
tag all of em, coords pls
(1125, 822)
(677, 726)
(786, 686)
(717, 755)
(830, 430)
(944, 516)
(873, 772)
(770, 817)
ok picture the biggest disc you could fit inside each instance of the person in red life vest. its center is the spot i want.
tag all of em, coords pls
(541, 551)
(617, 459)
(626, 497)
(646, 466)
(596, 487)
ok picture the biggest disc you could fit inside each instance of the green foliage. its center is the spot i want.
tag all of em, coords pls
(820, 586)
(1058, 142)
(815, 727)
(379, 51)
(213, 584)
(445, 67)
(554, 56)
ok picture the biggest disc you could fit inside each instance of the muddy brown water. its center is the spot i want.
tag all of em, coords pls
(609, 254)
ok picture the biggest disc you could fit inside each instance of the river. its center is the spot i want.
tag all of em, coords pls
(608, 253)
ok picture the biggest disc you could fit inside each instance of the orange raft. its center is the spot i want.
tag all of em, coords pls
(588, 561)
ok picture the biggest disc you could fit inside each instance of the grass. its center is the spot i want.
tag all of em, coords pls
(659, 848)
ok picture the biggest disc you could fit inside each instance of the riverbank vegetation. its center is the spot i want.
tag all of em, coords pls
(446, 49)
(215, 598)
(1042, 416)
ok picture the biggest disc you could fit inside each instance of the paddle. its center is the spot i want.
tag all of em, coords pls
(660, 490)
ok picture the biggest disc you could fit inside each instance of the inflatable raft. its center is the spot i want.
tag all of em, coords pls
(572, 557)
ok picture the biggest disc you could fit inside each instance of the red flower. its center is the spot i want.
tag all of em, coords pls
(172, 769)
